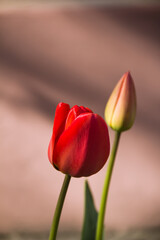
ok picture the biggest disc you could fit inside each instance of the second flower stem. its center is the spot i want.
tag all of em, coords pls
(58, 210)
(100, 221)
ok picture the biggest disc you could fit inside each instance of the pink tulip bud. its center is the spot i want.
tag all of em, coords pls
(120, 110)
(79, 145)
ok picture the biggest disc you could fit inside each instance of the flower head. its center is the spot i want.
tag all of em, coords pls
(120, 110)
(79, 145)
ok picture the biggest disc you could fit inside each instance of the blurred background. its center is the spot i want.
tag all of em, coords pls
(75, 52)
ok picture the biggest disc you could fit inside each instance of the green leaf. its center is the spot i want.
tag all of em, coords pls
(90, 216)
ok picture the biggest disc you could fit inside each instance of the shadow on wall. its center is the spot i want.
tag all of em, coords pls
(81, 53)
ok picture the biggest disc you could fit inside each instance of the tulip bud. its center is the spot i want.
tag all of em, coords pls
(120, 110)
(79, 145)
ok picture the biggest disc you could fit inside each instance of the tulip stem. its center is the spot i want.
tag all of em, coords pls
(101, 215)
(58, 210)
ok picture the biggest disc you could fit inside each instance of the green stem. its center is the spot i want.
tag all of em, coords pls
(100, 221)
(58, 210)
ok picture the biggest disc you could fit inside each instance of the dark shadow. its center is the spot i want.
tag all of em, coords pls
(57, 76)
(141, 20)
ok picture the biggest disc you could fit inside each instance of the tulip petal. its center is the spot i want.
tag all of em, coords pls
(86, 109)
(83, 148)
(74, 113)
(58, 126)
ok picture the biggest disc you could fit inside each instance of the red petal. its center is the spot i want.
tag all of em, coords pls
(58, 126)
(83, 148)
(50, 150)
(74, 113)
(86, 109)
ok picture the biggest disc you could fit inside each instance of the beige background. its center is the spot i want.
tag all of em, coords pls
(76, 54)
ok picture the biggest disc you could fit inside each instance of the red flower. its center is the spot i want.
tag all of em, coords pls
(80, 142)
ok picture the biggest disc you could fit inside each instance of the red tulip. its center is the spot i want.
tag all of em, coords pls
(80, 142)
